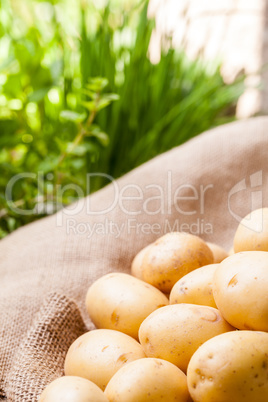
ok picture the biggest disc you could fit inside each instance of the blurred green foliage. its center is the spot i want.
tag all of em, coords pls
(59, 121)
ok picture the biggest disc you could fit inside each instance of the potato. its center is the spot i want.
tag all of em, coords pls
(172, 256)
(136, 266)
(231, 251)
(174, 332)
(231, 367)
(98, 354)
(72, 389)
(218, 252)
(240, 290)
(252, 232)
(121, 302)
(148, 380)
(195, 287)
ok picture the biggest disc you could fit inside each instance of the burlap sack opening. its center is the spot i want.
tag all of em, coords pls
(39, 358)
(222, 174)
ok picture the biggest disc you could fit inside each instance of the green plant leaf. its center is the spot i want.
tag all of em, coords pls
(89, 105)
(72, 116)
(97, 84)
(103, 139)
(38, 95)
(78, 150)
(48, 164)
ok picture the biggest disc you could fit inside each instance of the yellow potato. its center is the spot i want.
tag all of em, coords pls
(174, 332)
(252, 232)
(195, 287)
(230, 367)
(98, 354)
(121, 302)
(172, 256)
(231, 251)
(136, 266)
(218, 252)
(72, 389)
(148, 380)
(240, 290)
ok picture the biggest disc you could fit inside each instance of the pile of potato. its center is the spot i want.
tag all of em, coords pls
(189, 324)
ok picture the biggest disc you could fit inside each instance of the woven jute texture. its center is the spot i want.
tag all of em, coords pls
(204, 187)
(56, 326)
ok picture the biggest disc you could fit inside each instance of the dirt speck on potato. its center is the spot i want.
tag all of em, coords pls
(233, 281)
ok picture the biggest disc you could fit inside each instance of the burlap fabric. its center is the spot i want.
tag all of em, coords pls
(222, 174)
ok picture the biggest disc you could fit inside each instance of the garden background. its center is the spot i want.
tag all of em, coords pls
(80, 94)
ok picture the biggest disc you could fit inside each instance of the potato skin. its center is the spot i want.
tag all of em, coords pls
(255, 237)
(174, 332)
(195, 287)
(72, 389)
(172, 256)
(218, 252)
(136, 266)
(98, 354)
(121, 302)
(240, 291)
(231, 251)
(230, 367)
(148, 379)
